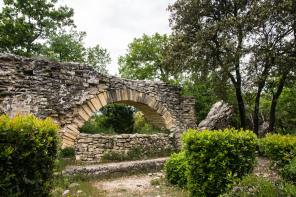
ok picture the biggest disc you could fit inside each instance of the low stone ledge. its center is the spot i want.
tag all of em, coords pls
(104, 170)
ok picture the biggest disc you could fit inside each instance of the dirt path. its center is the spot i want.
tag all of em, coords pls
(263, 170)
(140, 185)
(137, 185)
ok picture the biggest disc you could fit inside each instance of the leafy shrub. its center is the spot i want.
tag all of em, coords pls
(278, 147)
(67, 152)
(28, 151)
(254, 186)
(119, 117)
(137, 153)
(140, 122)
(134, 154)
(289, 171)
(216, 159)
(94, 126)
(175, 169)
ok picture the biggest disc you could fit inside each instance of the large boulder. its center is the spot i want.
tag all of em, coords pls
(219, 117)
(263, 129)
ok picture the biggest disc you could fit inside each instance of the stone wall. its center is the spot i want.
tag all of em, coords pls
(90, 148)
(70, 93)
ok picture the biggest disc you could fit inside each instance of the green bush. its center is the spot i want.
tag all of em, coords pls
(289, 171)
(28, 152)
(216, 159)
(175, 169)
(119, 117)
(67, 152)
(281, 148)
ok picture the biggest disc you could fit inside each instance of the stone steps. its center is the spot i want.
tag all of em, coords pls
(113, 169)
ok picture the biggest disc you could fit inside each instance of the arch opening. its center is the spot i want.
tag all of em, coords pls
(155, 112)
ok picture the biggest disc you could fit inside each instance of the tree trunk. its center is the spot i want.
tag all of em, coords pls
(240, 100)
(275, 97)
(261, 85)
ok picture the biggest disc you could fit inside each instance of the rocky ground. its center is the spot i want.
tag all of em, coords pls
(154, 184)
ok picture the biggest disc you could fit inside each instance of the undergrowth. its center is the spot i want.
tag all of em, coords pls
(138, 153)
(251, 186)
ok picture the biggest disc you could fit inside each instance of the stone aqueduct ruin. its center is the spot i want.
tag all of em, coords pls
(70, 93)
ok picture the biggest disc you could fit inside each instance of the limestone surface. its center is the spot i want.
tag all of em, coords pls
(70, 93)
(219, 117)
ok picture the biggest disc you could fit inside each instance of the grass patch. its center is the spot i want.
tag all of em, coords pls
(137, 153)
(151, 131)
(155, 182)
(83, 188)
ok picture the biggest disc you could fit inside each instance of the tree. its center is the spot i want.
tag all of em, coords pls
(98, 58)
(119, 117)
(273, 51)
(245, 42)
(66, 47)
(144, 58)
(209, 37)
(22, 23)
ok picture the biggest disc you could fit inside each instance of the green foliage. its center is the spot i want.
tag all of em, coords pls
(211, 40)
(281, 148)
(175, 169)
(289, 171)
(140, 122)
(204, 96)
(97, 124)
(94, 126)
(65, 47)
(286, 111)
(134, 154)
(217, 159)
(111, 119)
(119, 117)
(259, 187)
(137, 153)
(67, 152)
(155, 182)
(98, 58)
(144, 58)
(22, 23)
(28, 152)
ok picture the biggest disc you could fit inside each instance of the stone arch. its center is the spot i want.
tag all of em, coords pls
(155, 111)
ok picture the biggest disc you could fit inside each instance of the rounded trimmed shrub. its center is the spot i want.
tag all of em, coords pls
(175, 169)
(217, 159)
(281, 148)
(28, 152)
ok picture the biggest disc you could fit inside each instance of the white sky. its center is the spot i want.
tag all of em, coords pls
(113, 24)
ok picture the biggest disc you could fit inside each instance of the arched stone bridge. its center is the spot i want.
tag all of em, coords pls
(70, 93)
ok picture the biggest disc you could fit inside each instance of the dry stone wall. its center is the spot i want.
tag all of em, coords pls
(90, 148)
(70, 93)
